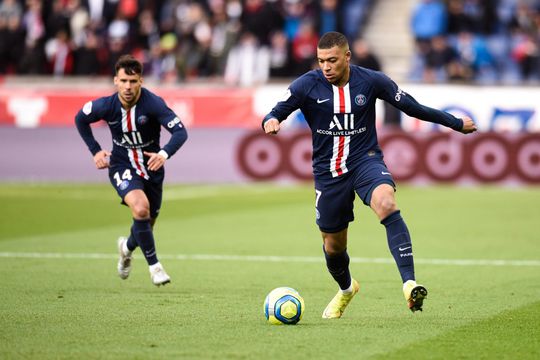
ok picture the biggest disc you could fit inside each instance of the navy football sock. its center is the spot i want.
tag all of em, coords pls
(141, 231)
(338, 266)
(399, 243)
(131, 243)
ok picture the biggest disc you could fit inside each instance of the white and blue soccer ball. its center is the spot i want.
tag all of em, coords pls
(284, 305)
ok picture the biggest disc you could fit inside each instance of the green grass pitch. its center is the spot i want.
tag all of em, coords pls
(226, 247)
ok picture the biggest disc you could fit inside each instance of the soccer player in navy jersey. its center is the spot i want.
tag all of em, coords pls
(338, 102)
(135, 117)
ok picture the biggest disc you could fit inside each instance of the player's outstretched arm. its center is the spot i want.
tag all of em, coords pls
(468, 125)
(101, 159)
(272, 126)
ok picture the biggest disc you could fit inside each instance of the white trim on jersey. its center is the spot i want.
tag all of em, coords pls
(138, 163)
(340, 150)
(346, 98)
(136, 156)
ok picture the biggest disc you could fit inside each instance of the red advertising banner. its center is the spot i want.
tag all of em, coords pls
(418, 157)
(205, 107)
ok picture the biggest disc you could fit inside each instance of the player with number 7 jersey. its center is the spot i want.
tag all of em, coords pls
(338, 102)
(135, 117)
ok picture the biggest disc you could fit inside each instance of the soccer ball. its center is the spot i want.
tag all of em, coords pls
(284, 305)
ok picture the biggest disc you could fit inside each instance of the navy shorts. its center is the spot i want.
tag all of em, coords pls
(334, 200)
(124, 179)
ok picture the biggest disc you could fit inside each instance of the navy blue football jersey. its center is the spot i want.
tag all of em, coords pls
(133, 131)
(342, 119)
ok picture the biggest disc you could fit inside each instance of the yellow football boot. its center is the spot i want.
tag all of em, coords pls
(337, 305)
(414, 294)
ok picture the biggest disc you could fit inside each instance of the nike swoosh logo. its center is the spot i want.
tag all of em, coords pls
(385, 173)
(405, 248)
(319, 101)
(113, 122)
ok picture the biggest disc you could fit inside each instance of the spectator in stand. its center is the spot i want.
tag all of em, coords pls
(304, 47)
(475, 56)
(442, 63)
(11, 36)
(101, 13)
(79, 21)
(147, 32)
(458, 21)
(225, 30)
(526, 52)
(33, 60)
(429, 19)
(296, 11)
(9, 8)
(164, 59)
(87, 59)
(248, 63)
(363, 56)
(59, 54)
(117, 40)
(523, 18)
(329, 17)
(353, 14)
(280, 59)
(57, 19)
(260, 18)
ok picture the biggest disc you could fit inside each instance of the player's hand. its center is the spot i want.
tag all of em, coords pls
(155, 162)
(468, 125)
(272, 126)
(101, 159)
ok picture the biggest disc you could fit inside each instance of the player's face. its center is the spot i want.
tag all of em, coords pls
(334, 63)
(128, 87)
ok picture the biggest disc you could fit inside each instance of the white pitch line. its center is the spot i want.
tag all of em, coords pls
(261, 258)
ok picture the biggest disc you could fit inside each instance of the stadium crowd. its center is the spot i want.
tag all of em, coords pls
(246, 42)
(481, 41)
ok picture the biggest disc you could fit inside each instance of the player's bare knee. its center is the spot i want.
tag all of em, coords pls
(141, 212)
(334, 243)
(388, 205)
(333, 250)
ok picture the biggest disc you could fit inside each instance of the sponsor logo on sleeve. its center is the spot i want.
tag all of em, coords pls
(399, 93)
(173, 122)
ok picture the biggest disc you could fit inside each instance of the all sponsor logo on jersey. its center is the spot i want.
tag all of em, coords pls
(348, 122)
(136, 138)
(343, 127)
(132, 140)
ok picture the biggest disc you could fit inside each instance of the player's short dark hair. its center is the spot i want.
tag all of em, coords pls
(331, 39)
(130, 65)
